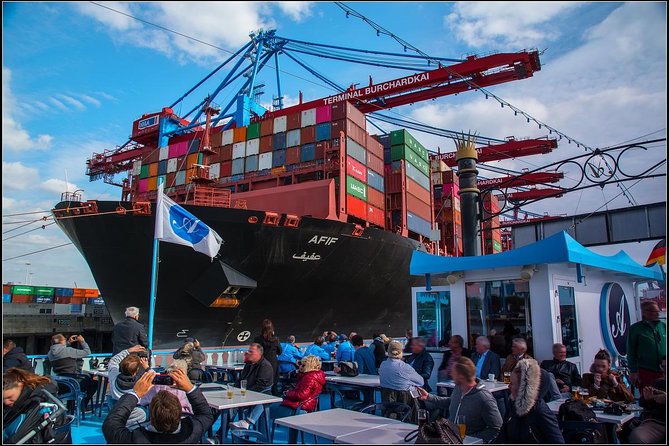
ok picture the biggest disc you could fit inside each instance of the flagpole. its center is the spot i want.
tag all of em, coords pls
(154, 267)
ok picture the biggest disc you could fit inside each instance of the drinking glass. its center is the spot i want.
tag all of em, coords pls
(242, 386)
(230, 392)
(462, 425)
(575, 392)
(422, 416)
(584, 394)
(491, 377)
(507, 377)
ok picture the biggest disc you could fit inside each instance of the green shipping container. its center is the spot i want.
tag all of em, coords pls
(144, 171)
(399, 153)
(403, 137)
(23, 289)
(496, 246)
(44, 291)
(253, 131)
(356, 188)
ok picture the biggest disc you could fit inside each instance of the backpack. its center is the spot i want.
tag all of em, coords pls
(348, 368)
(441, 431)
(576, 410)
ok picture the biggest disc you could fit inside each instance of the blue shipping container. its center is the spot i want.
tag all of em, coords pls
(323, 131)
(308, 153)
(387, 157)
(384, 140)
(162, 167)
(6, 298)
(293, 138)
(76, 308)
(418, 176)
(278, 158)
(67, 292)
(194, 145)
(43, 299)
(417, 224)
(96, 301)
(375, 180)
(279, 141)
(251, 163)
(238, 166)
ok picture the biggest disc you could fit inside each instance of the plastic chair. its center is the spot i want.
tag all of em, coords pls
(199, 376)
(69, 390)
(401, 410)
(248, 436)
(296, 410)
(579, 432)
(346, 403)
(63, 433)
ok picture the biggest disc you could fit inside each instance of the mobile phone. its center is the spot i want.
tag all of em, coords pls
(163, 379)
(414, 393)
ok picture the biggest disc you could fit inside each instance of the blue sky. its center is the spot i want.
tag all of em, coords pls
(75, 76)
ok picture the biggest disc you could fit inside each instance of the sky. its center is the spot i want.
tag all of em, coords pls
(76, 75)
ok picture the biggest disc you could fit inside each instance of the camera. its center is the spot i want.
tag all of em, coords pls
(414, 393)
(143, 354)
(163, 379)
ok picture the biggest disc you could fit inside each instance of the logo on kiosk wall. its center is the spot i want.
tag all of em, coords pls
(614, 316)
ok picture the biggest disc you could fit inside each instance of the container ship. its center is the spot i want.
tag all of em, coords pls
(319, 218)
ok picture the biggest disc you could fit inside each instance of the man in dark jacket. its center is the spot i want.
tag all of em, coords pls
(379, 349)
(565, 372)
(486, 361)
(421, 361)
(259, 376)
(129, 332)
(167, 426)
(13, 356)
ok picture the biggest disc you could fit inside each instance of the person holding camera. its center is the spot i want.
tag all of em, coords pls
(125, 368)
(64, 357)
(166, 425)
(166, 382)
(193, 355)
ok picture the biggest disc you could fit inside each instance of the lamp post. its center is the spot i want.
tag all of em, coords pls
(27, 266)
(466, 157)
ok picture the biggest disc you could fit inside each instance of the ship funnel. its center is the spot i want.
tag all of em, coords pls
(222, 286)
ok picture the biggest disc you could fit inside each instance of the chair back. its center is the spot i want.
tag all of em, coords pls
(68, 388)
(248, 436)
(63, 433)
(309, 400)
(394, 410)
(579, 432)
(267, 390)
(400, 396)
(200, 376)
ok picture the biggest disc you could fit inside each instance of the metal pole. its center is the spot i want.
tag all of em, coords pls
(154, 270)
(27, 266)
(278, 79)
(466, 157)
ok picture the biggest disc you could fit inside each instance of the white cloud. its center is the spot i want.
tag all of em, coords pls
(58, 186)
(70, 100)
(104, 95)
(298, 11)
(14, 136)
(91, 100)
(59, 104)
(514, 24)
(17, 176)
(113, 20)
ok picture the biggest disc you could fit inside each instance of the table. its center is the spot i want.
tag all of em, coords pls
(101, 394)
(234, 369)
(491, 387)
(218, 399)
(389, 434)
(610, 421)
(367, 381)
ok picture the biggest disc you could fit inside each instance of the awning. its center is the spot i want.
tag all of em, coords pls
(558, 248)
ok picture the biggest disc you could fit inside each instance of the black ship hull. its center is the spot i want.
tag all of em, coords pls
(308, 279)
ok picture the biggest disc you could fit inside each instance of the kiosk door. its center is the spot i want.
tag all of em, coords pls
(569, 332)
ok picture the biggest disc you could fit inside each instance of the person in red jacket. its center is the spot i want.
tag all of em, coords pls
(303, 397)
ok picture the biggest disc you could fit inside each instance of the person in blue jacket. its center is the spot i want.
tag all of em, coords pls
(345, 351)
(289, 356)
(364, 357)
(316, 349)
(330, 342)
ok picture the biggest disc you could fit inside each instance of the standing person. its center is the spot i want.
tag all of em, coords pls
(345, 351)
(13, 356)
(646, 345)
(316, 349)
(290, 356)
(64, 358)
(363, 357)
(565, 372)
(421, 361)
(487, 362)
(129, 332)
(518, 352)
(378, 348)
(477, 405)
(259, 376)
(456, 345)
(530, 420)
(604, 383)
(193, 355)
(271, 349)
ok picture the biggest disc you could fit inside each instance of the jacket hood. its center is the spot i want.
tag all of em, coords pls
(15, 351)
(319, 376)
(126, 382)
(528, 387)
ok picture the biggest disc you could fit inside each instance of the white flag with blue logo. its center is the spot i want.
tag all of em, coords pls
(174, 224)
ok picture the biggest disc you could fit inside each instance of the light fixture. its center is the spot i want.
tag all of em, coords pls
(454, 277)
(527, 272)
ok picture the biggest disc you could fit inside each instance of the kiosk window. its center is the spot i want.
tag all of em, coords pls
(433, 310)
(568, 324)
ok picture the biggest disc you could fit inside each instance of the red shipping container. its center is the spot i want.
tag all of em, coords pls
(267, 127)
(356, 169)
(375, 163)
(226, 169)
(320, 149)
(6, 289)
(266, 143)
(346, 110)
(293, 121)
(376, 198)
(394, 183)
(308, 134)
(416, 206)
(417, 191)
(216, 139)
(78, 300)
(239, 135)
(22, 298)
(376, 216)
(374, 147)
(352, 130)
(62, 300)
(170, 180)
(355, 207)
(336, 127)
(323, 114)
(293, 155)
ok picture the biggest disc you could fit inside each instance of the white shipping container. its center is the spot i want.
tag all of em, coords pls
(172, 165)
(239, 150)
(164, 153)
(308, 117)
(252, 146)
(137, 167)
(214, 171)
(280, 124)
(265, 161)
(61, 309)
(228, 136)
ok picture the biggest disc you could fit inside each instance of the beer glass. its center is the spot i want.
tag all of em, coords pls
(242, 386)
(507, 377)
(462, 425)
(575, 392)
(584, 394)
(230, 392)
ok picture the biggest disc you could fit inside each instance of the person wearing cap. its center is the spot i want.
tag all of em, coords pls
(395, 374)
(345, 351)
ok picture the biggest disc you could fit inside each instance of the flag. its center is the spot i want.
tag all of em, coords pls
(658, 253)
(174, 224)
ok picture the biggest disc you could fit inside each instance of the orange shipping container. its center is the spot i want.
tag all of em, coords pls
(267, 127)
(22, 298)
(266, 144)
(416, 206)
(92, 292)
(192, 159)
(78, 300)
(375, 198)
(152, 183)
(239, 135)
(417, 191)
(376, 216)
(62, 300)
(190, 173)
(79, 292)
(355, 207)
(153, 170)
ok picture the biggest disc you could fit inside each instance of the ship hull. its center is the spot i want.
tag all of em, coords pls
(312, 278)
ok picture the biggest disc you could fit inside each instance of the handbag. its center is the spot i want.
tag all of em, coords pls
(348, 368)
(439, 431)
(615, 409)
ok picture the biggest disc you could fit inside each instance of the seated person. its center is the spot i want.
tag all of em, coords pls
(518, 352)
(604, 383)
(289, 357)
(192, 354)
(487, 362)
(125, 369)
(13, 356)
(395, 374)
(345, 351)
(477, 405)
(653, 428)
(186, 408)
(548, 389)
(316, 349)
(167, 426)
(565, 372)
(63, 358)
(421, 361)
(259, 376)
(310, 384)
(456, 346)
(21, 393)
(330, 343)
(363, 356)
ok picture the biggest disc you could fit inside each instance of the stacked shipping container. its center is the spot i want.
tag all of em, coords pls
(447, 208)
(491, 233)
(50, 295)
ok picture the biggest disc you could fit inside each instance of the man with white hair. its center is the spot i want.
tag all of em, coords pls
(129, 332)
(518, 352)
(487, 362)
